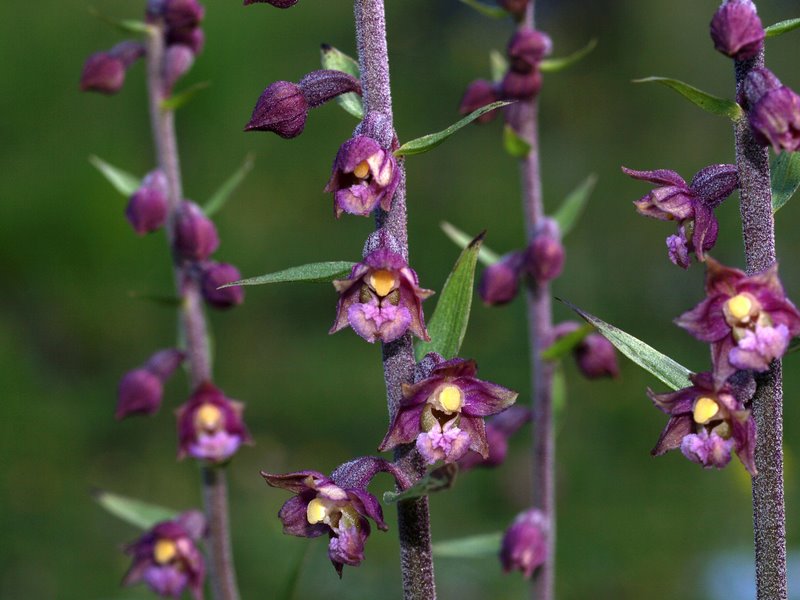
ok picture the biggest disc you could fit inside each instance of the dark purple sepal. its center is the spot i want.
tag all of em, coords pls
(213, 276)
(319, 87)
(499, 282)
(713, 184)
(195, 234)
(478, 94)
(526, 48)
(773, 111)
(737, 31)
(524, 545)
(282, 108)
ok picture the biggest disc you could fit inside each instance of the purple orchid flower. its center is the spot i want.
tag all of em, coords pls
(444, 411)
(167, 559)
(210, 426)
(707, 423)
(691, 206)
(339, 506)
(381, 299)
(524, 545)
(364, 176)
(749, 321)
(773, 111)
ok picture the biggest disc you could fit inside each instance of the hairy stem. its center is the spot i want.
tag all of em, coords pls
(540, 325)
(414, 532)
(758, 228)
(193, 326)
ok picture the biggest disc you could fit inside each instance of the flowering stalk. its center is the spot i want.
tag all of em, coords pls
(758, 228)
(398, 355)
(193, 325)
(540, 325)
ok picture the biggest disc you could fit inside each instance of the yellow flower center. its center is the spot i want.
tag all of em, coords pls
(164, 551)
(382, 282)
(316, 511)
(208, 417)
(740, 306)
(362, 170)
(451, 398)
(704, 409)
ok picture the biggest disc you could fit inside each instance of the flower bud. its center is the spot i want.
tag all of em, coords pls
(148, 206)
(521, 86)
(192, 37)
(544, 258)
(275, 3)
(736, 30)
(195, 235)
(479, 93)
(281, 108)
(182, 14)
(524, 545)
(515, 7)
(104, 72)
(218, 274)
(322, 86)
(526, 48)
(177, 62)
(773, 111)
(596, 357)
(141, 390)
(500, 282)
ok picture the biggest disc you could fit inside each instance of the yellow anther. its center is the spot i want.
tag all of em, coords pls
(704, 409)
(164, 551)
(382, 282)
(316, 511)
(362, 170)
(740, 306)
(451, 398)
(208, 416)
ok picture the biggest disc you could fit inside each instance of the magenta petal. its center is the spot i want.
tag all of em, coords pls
(476, 429)
(706, 321)
(359, 199)
(744, 433)
(347, 547)
(404, 428)
(675, 403)
(368, 505)
(295, 521)
(677, 428)
(658, 176)
(298, 482)
(482, 398)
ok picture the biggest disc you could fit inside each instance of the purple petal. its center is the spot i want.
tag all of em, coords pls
(706, 321)
(482, 398)
(298, 482)
(347, 548)
(475, 427)
(658, 176)
(295, 519)
(358, 199)
(677, 428)
(675, 403)
(404, 428)
(744, 433)
(369, 506)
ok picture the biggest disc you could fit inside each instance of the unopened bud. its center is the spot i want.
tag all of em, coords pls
(524, 545)
(736, 30)
(148, 206)
(281, 108)
(526, 48)
(544, 258)
(521, 86)
(216, 275)
(500, 282)
(195, 234)
(177, 62)
(479, 93)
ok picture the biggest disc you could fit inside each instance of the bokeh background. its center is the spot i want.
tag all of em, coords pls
(630, 526)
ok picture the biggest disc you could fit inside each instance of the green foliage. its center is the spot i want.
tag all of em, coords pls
(321, 272)
(515, 145)
(125, 25)
(462, 240)
(438, 478)
(181, 99)
(125, 183)
(651, 360)
(566, 344)
(336, 60)
(498, 65)
(430, 141)
(573, 205)
(221, 196)
(448, 325)
(487, 10)
(554, 65)
(135, 512)
(474, 546)
(709, 103)
(785, 178)
(782, 27)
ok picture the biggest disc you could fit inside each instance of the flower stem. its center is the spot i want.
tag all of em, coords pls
(416, 559)
(758, 228)
(193, 326)
(540, 325)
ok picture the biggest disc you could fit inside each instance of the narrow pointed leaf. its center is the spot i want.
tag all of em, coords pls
(785, 169)
(651, 360)
(487, 10)
(439, 477)
(566, 344)
(321, 272)
(573, 205)
(126, 25)
(498, 65)
(515, 145)
(430, 141)
(712, 104)
(782, 27)
(135, 512)
(448, 325)
(125, 183)
(180, 99)
(474, 546)
(462, 240)
(336, 60)
(553, 65)
(224, 192)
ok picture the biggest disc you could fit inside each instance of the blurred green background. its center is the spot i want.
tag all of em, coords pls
(629, 526)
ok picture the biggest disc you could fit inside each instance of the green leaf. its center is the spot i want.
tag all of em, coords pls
(296, 568)
(126, 25)
(430, 141)
(559, 392)
(336, 60)
(180, 99)
(494, 12)
(515, 145)
(125, 183)
(474, 546)
(553, 65)
(462, 240)
(651, 360)
(224, 192)
(448, 325)
(321, 272)
(566, 344)
(439, 477)
(573, 205)
(782, 27)
(139, 514)
(713, 104)
(785, 177)
(498, 65)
